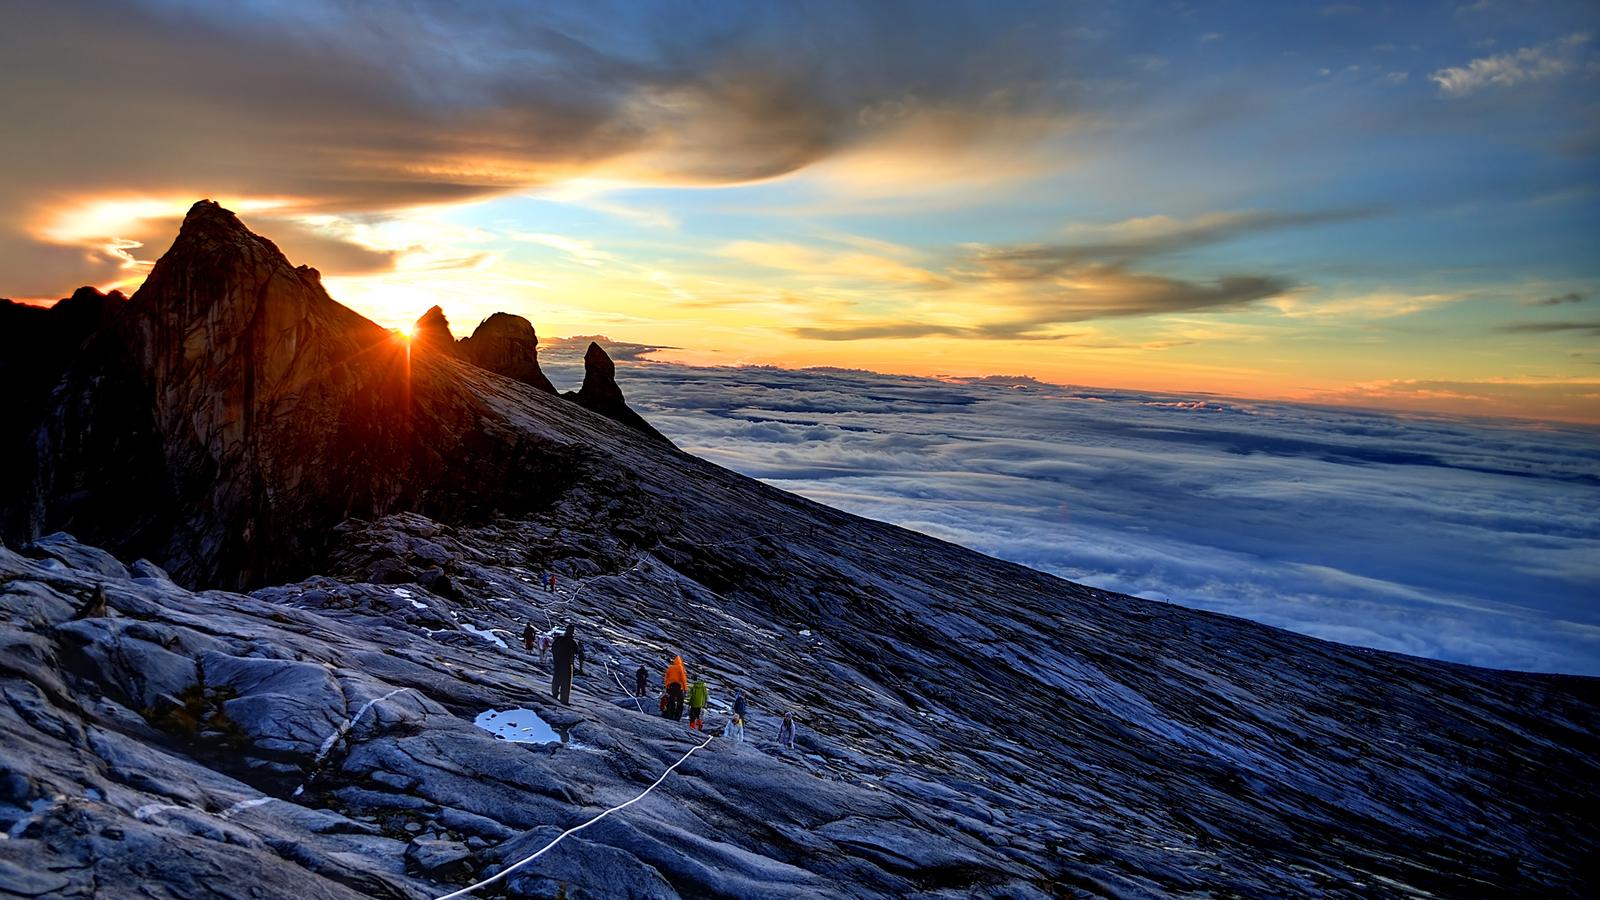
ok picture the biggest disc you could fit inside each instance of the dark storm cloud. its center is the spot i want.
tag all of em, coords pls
(1456, 539)
(364, 107)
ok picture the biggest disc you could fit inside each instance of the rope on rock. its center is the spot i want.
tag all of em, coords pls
(575, 829)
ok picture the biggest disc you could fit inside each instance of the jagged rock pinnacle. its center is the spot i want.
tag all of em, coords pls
(432, 332)
(601, 394)
(599, 376)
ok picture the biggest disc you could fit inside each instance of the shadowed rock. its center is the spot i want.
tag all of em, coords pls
(36, 345)
(507, 345)
(601, 394)
(221, 420)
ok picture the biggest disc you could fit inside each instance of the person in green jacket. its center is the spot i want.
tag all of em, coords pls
(699, 695)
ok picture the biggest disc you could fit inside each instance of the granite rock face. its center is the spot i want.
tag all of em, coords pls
(507, 345)
(967, 727)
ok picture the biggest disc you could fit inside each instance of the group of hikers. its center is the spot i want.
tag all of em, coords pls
(677, 693)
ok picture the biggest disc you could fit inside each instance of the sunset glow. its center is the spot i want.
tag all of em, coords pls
(1312, 204)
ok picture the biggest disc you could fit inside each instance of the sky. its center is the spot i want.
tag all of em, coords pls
(1448, 537)
(1390, 205)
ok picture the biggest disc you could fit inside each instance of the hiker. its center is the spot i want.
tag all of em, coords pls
(735, 731)
(562, 652)
(786, 732)
(641, 681)
(740, 706)
(550, 582)
(580, 657)
(676, 682)
(699, 695)
(528, 637)
(544, 647)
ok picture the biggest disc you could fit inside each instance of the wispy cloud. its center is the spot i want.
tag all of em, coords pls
(584, 252)
(1144, 237)
(815, 263)
(1504, 70)
(1559, 299)
(1550, 327)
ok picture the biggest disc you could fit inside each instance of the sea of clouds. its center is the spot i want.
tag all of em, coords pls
(1467, 540)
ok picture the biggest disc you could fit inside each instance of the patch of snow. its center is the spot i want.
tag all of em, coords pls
(243, 805)
(520, 726)
(487, 635)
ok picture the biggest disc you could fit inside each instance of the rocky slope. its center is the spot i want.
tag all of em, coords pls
(969, 727)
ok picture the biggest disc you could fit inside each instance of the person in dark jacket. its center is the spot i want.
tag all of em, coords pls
(641, 681)
(562, 653)
(740, 705)
(674, 709)
(528, 637)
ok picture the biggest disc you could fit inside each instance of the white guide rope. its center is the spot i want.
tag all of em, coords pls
(574, 830)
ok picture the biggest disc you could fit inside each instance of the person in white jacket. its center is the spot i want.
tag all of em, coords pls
(735, 731)
(786, 732)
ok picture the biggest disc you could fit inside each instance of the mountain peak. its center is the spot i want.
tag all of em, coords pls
(432, 331)
(507, 345)
(599, 375)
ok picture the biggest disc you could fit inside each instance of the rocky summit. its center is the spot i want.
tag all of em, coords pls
(262, 636)
(506, 344)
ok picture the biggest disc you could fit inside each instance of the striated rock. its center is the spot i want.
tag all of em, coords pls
(432, 332)
(601, 394)
(1005, 733)
(506, 344)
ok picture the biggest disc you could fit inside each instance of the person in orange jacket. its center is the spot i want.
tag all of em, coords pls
(676, 680)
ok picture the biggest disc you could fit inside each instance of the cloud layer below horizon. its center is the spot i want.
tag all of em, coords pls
(1471, 541)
